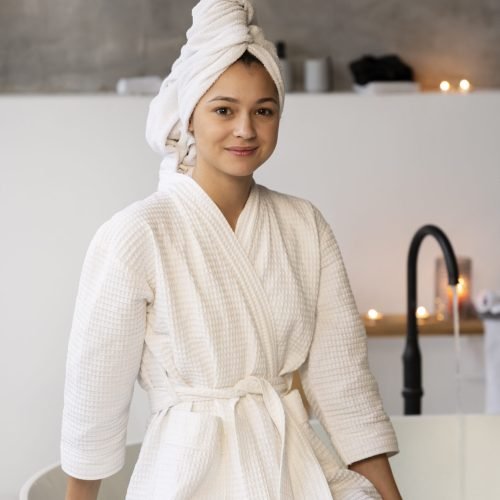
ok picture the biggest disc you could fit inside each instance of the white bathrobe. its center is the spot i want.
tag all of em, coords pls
(214, 323)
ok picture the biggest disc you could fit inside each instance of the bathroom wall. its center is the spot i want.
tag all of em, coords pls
(82, 46)
(69, 162)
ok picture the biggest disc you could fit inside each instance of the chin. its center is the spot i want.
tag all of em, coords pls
(242, 171)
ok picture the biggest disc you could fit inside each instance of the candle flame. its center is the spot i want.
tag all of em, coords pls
(461, 286)
(374, 314)
(464, 85)
(422, 313)
(444, 86)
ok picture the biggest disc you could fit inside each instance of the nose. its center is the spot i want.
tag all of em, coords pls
(244, 127)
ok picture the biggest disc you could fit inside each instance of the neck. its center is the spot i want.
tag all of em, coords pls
(228, 192)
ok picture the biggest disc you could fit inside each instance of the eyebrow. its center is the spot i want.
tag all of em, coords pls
(232, 99)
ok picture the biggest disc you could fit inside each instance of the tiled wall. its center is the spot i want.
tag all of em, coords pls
(86, 45)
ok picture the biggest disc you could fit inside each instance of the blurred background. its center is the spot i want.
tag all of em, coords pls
(86, 46)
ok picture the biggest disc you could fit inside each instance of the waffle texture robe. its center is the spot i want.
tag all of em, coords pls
(214, 322)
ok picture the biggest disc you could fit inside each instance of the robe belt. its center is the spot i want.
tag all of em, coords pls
(271, 389)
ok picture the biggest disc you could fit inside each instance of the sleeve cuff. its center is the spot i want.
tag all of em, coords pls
(387, 445)
(91, 467)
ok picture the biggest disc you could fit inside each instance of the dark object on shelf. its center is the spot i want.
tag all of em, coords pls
(382, 69)
(285, 65)
(281, 49)
(412, 362)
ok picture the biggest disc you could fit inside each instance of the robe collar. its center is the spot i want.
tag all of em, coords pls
(246, 220)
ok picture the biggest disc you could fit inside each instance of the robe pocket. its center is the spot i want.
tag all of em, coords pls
(190, 451)
(191, 429)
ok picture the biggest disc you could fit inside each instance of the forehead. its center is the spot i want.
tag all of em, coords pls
(244, 80)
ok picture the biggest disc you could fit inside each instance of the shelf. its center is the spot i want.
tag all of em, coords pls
(395, 325)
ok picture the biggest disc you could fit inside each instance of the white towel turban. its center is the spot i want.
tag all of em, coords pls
(220, 34)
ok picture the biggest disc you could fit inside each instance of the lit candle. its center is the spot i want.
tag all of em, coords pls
(422, 313)
(444, 292)
(464, 86)
(463, 296)
(445, 86)
(462, 290)
(373, 314)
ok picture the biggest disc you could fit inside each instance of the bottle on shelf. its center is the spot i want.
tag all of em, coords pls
(285, 66)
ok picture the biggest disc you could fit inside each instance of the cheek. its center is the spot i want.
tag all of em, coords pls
(209, 136)
(271, 132)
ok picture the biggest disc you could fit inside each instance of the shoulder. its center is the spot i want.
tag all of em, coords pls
(294, 208)
(129, 232)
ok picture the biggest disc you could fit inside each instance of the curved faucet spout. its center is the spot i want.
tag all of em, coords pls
(412, 362)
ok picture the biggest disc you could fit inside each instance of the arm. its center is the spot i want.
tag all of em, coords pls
(378, 471)
(337, 381)
(103, 360)
(80, 489)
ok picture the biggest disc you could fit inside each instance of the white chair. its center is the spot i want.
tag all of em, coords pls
(50, 482)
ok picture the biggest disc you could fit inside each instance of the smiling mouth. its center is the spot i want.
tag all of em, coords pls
(238, 148)
(242, 151)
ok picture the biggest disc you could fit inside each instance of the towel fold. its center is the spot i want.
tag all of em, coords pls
(222, 31)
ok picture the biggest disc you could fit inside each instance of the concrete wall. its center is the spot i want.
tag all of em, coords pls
(82, 46)
(69, 162)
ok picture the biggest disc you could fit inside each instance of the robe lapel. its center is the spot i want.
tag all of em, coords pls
(236, 246)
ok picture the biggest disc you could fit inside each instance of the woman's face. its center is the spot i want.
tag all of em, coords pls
(235, 124)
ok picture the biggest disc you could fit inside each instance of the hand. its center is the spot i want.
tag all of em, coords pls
(378, 471)
(81, 489)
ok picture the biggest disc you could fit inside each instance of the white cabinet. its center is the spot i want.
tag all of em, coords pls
(438, 373)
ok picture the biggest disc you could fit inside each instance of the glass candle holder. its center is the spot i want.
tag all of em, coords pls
(444, 294)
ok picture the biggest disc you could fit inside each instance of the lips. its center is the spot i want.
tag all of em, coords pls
(242, 149)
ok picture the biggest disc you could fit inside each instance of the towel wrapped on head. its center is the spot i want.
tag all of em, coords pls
(222, 31)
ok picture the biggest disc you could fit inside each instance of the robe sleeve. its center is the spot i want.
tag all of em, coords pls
(104, 355)
(336, 378)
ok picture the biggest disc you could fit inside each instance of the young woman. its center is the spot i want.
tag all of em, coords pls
(214, 290)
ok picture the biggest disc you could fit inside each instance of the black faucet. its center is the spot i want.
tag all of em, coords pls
(412, 362)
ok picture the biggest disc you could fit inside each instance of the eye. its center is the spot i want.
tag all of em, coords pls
(224, 111)
(265, 112)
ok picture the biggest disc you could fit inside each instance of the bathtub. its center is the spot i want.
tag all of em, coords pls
(445, 457)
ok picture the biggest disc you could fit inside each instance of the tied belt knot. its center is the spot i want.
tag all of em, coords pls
(272, 389)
